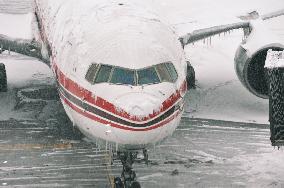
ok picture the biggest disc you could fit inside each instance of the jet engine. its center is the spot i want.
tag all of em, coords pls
(250, 58)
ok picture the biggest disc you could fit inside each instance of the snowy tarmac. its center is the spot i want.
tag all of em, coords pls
(40, 149)
(45, 152)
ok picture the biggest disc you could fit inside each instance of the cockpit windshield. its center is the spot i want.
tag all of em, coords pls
(147, 76)
(103, 74)
(122, 76)
(100, 73)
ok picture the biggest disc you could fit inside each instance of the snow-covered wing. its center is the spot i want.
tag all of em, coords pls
(273, 15)
(208, 32)
(22, 46)
(21, 42)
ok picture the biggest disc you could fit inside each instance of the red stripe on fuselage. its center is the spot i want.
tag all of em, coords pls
(100, 120)
(88, 96)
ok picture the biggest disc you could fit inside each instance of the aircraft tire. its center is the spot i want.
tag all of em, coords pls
(3, 78)
(118, 183)
(190, 76)
(135, 184)
(276, 106)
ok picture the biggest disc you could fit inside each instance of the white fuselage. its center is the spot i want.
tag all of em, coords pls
(81, 33)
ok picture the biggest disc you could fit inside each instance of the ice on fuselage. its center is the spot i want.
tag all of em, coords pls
(97, 30)
(139, 107)
(117, 33)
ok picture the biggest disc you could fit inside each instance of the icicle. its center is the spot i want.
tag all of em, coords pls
(210, 40)
(106, 145)
(203, 41)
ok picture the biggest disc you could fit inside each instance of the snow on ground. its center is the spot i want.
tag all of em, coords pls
(10, 24)
(263, 169)
(188, 15)
(219, 94)
(16, 6)
(21, 72)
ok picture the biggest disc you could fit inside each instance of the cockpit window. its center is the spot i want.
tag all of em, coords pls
(103, 74)
(147, 76)
(100, 73)
(123, 76)
(164, 73)
(90, 76)
(172, 71)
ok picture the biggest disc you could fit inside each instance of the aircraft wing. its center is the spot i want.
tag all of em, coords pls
(22, 42)
(200, 34)
(208, 32)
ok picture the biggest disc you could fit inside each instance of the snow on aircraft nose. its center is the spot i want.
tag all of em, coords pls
(139, 104)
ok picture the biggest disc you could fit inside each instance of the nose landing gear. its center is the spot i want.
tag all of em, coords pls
(128, 177)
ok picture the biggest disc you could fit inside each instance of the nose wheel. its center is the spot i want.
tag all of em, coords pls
(128, 177)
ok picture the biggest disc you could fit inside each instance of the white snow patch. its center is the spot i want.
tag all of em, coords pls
(140, 106)
(263, 169)
(145, 178)
(16, 25)
(219, 94)
(274, 59)
(205, 157)
(21, 72)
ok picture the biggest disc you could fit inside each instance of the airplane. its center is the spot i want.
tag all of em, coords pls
(121, 71)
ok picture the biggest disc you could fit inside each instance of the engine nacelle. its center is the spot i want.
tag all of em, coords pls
(250, 59)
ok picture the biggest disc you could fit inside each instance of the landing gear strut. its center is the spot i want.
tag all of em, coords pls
(3, 78)
(128, 176)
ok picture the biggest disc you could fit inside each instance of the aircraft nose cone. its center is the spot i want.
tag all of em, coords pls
(139, 104)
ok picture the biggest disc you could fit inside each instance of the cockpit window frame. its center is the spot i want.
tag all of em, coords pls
(125, 69)
(174, 77)
(145, 68)
(96, 76)
(92, 81)
(136, 78)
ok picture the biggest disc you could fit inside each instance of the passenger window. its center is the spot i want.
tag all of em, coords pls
(122, 76)
(172, 71)
(147, 76)
(90, 76)
(103, 74)
(164, 73)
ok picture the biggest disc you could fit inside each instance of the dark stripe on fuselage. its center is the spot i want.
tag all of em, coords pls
(80, 103)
